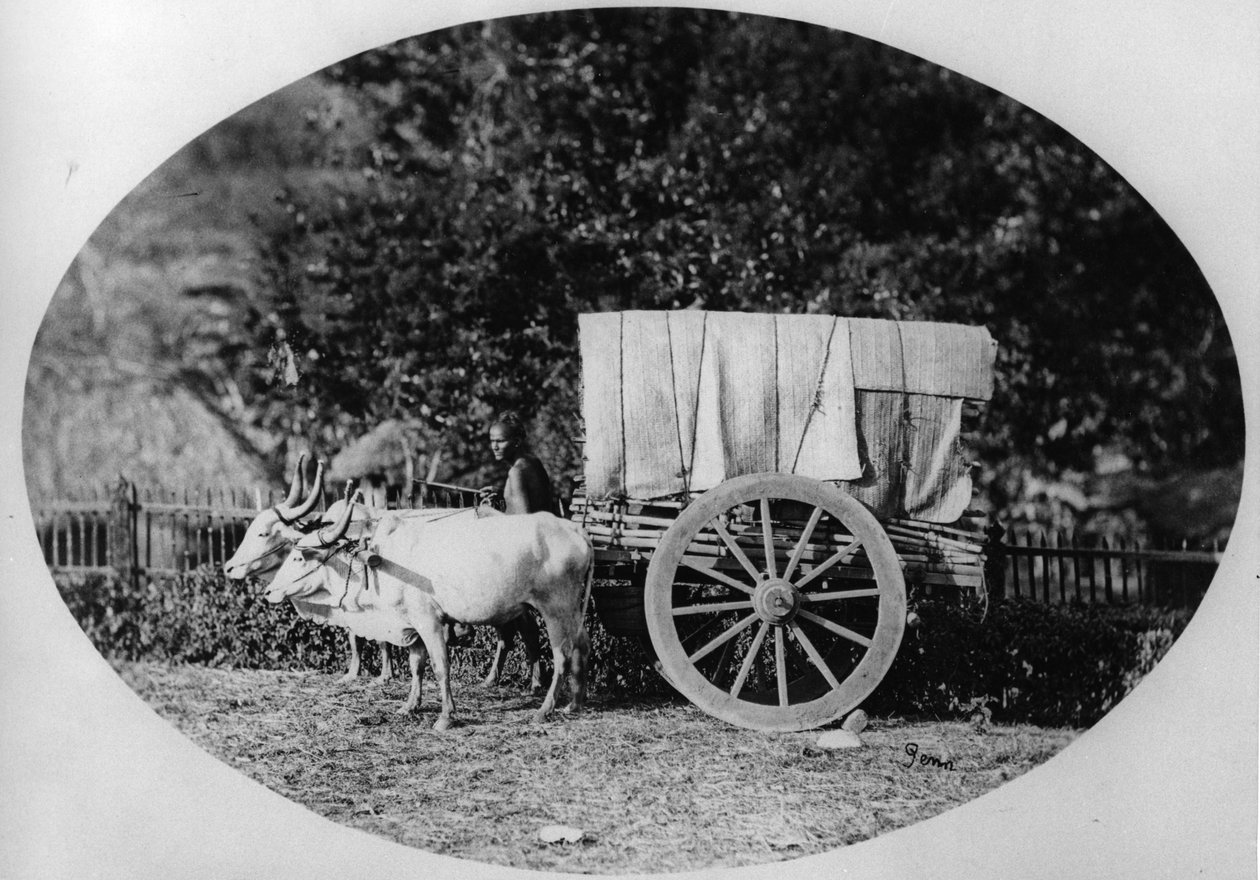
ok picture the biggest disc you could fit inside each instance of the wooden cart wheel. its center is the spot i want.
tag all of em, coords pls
(775, 602)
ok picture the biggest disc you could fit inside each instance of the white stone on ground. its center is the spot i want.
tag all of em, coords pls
(839, 739)
(856, 722)
(560, 834)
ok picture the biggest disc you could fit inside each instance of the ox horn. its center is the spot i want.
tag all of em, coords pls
(340, 527)
(298, 485)
(317, 490)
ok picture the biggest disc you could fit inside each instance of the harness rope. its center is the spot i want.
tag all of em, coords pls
(454, 513)
(907, 428)
(621, 392)
(778, 429)
(695, 410)
(345, 588)
(816, 405)
(272, 552)
(283, 548)
(673, 385)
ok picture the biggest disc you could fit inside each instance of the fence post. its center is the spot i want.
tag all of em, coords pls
(123, 546)
(1106, 560)
(995, 561)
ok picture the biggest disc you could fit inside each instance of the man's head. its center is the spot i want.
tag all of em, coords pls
(507, 436)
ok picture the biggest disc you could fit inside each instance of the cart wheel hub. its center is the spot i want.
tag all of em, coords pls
(776, 601)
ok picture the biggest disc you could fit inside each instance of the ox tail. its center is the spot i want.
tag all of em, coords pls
(590, 579)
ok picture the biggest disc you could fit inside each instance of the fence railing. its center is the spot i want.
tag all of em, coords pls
(132, 532)
(1054, 566)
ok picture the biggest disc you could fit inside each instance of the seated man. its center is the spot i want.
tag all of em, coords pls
(527, 488)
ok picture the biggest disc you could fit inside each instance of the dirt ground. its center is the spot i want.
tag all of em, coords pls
(652, 786)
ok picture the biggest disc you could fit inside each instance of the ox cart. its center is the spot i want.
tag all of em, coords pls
(760, 490)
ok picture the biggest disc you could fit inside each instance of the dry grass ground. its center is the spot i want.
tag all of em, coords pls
(655, 786)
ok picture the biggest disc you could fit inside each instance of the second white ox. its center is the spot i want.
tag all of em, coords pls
(402, 580)
(272, 534)
(276, 530)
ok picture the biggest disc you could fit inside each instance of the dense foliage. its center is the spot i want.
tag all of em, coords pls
(524, 170)
(201, 617)
(1024, 662)
(198, 617)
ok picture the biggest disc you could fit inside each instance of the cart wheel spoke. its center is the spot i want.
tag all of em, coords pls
(751, 656)
(842, 631)
(719, 576)
(713, 606)
(780, 666)
(837, 595)
(767, 538)
(839, 556)
(815, 657)
(736, 550)
(799, 550)
(723, 638)
(697, 630)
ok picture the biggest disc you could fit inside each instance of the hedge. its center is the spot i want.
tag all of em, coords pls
(201, 617)
(1022, 661)
(1025, 661)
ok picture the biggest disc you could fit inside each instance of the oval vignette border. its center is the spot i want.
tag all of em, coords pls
(94, 765)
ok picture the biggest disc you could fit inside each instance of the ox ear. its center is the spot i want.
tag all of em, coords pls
(289, 533)
(386, 525)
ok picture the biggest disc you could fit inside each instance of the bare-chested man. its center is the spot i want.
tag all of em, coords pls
(527, 488)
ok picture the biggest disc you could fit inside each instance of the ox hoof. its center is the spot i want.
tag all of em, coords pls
(406, 709)
(571, 709)
(540, 717)
(346, 679)
(442, 723)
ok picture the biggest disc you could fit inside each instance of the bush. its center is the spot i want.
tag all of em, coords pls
(1024, 661)
(198, 617)
(1052, 665)
(201, 617)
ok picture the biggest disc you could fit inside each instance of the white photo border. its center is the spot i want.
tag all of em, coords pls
(96, 93)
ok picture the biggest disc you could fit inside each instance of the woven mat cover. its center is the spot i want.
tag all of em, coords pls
(680, 401)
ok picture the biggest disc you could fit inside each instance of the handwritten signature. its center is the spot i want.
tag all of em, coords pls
(924, 760)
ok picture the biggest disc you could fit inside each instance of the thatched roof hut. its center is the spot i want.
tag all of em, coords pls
(389, 453)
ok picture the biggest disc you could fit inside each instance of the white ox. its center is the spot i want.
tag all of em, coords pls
(405, 579)
(275, 531)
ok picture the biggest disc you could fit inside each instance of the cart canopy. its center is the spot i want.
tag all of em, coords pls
(677, 402)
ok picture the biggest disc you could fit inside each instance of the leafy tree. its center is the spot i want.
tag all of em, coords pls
(524, 170)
